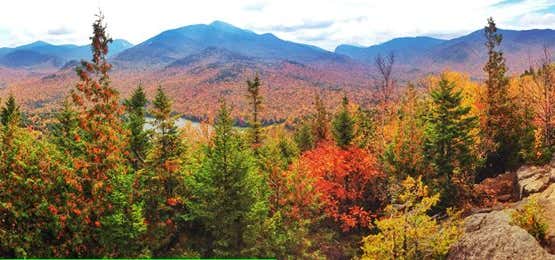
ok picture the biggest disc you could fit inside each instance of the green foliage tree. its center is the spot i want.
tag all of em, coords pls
(33, 196)
(500, 135)
(135, 122)
(449, 142)
(283, 237)
(304, 137)
(162, 181)
(343, 125)
(230, 198)
(66, 132)
(10, 112)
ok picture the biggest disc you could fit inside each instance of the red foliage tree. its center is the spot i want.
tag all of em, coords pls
(347, 183)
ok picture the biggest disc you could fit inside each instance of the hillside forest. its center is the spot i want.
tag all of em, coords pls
(388, 179)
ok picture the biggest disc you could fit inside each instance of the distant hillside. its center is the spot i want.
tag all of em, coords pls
(406, 49)
(466, 53)
(175, 44)
(29, 59)
(45, 55)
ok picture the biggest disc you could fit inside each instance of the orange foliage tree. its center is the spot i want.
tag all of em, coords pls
(103, 185)
(347, 182)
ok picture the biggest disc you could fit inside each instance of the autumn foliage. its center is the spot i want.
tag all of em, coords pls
(92, 179)
(347, 182)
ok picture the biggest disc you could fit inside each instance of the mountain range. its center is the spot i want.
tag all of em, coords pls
(412, 53)
(41, 54)
(198, 64)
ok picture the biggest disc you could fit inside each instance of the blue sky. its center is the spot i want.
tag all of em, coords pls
(324, 23)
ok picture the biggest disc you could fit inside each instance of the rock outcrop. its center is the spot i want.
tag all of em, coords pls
(534, 179)
(491, 236)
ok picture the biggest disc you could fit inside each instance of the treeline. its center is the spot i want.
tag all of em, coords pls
(389, 181)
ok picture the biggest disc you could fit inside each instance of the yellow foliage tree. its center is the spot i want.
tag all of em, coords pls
(408, 232)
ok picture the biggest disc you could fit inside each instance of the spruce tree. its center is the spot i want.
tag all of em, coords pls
(167, 151)
(501, 131)
(255, 101)
(10, 113)
(230, 195)
(343, 125)
(320, 121)
(107, 221)
(10, 119)
(162, 180)
(65, 132)
(304, 137)
(135, 122)
(448, 141)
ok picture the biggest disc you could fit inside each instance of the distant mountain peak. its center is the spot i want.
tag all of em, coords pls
(223, 26)
(34, 45)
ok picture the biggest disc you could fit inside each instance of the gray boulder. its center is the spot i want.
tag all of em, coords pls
(533, 179)
(491, 236)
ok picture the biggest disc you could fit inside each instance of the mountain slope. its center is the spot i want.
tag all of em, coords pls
(29, 59)
(405, 49)
(44, 55)
(466, 53)
(175, 44)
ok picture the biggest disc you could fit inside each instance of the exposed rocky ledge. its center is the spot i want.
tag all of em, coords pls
(489, 234)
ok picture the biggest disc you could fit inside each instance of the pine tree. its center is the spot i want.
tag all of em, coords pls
(343, 125)
(304, 137)
(10, 113)
(320, 121)
(500, 135)
(255, 100)
(231, 199)
(135, 122)
(448, 144)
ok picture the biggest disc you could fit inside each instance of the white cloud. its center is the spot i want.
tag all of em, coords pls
(322, 23)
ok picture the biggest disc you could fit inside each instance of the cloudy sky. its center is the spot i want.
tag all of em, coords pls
(324, 23)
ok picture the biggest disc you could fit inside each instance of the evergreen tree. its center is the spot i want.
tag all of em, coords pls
(10, 112)
(65, 132)
(10, 119)
(304, 137)
(162, 181)
(448, 142)
(501, 132)
(255, 100)
(343, 125)
(320, 121)
(135, 122)
(230, 196)
(365, 128)
(107, 221)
